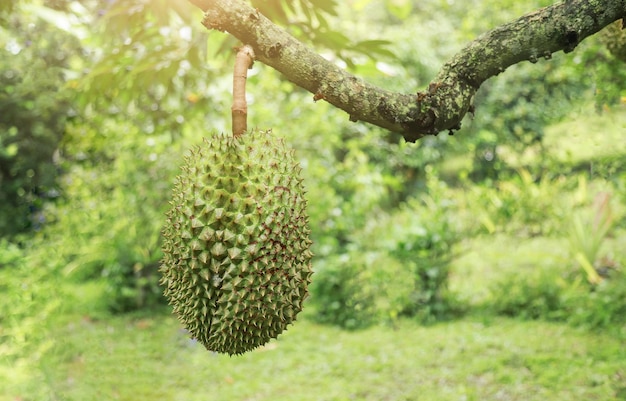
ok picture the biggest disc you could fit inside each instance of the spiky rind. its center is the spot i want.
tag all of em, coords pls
(237, 259)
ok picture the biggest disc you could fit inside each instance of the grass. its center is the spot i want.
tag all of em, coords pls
(151, 358)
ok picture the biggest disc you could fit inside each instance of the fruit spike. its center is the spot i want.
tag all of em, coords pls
(237, 259)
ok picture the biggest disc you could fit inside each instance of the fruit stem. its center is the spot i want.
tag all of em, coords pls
(243, 62)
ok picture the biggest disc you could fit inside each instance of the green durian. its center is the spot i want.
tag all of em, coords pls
(237, 258)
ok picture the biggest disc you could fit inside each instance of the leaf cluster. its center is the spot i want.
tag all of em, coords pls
(33, 58)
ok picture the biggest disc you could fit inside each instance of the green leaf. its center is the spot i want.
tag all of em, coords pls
(334, 40)
(400, 9)
(327, 6)
(272, 9)
(374, 47)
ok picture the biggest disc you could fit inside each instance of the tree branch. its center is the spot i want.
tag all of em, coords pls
(561, 26)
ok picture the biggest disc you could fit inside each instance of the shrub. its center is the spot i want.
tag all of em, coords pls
(588, 231)
(337, 296)
(523, 204)
(398, 265)
(603, 306)
(530, 295)
(422, 236)
(35, 108)
(547, 294)
(426, 253)
(358, 289)
(10, 254)
(107, 226)
(29, 296)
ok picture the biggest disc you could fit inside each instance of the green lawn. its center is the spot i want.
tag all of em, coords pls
(135, 359)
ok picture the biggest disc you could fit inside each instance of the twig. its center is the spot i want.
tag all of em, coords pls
(243, 62)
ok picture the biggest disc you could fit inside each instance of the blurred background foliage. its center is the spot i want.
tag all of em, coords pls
(99, 100)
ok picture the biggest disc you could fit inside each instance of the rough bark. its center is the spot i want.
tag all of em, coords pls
(539, 34)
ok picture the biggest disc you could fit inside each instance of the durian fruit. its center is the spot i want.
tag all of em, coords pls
(237, 258)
